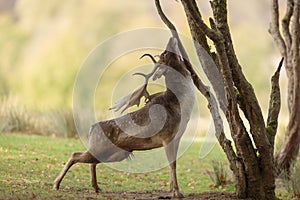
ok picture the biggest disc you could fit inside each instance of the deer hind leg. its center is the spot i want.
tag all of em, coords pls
(94, 177)
(77, 157)
(171, 152)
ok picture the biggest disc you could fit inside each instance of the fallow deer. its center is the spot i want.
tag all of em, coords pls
(115, 140)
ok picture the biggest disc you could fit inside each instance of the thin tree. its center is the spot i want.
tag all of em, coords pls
(252, 161)
(287, 37)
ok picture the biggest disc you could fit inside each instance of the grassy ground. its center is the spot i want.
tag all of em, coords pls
(29, 165)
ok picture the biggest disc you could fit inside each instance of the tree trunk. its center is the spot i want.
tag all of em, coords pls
(254, 170)
(252, 162)
(288, 42)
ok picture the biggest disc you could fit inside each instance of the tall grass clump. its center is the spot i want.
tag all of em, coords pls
(15, 117)
(219, 174)
(292, 181)
(64, 123)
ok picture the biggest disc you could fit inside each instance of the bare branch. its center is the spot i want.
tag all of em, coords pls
(295, 30)
(213, 105)
(198, 83)
(219, 128)
(295, 54)
(207, 59)
(200, 37)
(286, 23)
(274, 105)
(172, 28)
(274, 29)
(229, 60)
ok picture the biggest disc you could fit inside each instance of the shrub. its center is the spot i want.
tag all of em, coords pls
(219, 175)
(292, 181)
(14, 117)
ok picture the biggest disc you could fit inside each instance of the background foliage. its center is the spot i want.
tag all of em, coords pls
(44, 43)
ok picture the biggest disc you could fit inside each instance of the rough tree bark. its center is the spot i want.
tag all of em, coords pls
(288, 39)
(252, 163)
(205, 91)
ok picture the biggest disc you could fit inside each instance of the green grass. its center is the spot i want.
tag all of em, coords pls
(29, 165)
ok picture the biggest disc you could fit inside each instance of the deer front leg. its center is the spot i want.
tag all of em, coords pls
(66, 168)
(77, 157)
(171, 152)
(94, 178)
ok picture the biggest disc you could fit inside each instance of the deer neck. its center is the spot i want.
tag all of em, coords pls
(179, 84)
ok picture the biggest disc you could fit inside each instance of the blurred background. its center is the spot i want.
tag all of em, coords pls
(44, 43)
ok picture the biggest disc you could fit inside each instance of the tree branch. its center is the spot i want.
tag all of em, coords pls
(198, 21)
(285, 23)
(212, 103)
(207, 59)
(295, 58)
(274, 29)
(172, 29)
(274, 105)
(252, 109)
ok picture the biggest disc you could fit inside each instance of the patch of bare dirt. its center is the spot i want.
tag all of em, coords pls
(165, 195)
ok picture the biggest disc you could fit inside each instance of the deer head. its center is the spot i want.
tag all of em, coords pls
(134, 98)
(160, 68)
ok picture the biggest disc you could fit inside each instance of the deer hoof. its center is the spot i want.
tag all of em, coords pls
(178, 195)
(97, 190)
(55, 187)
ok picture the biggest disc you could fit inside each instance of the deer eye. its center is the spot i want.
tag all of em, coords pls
(165, 56)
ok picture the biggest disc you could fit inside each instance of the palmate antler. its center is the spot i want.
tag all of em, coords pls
(134, 98)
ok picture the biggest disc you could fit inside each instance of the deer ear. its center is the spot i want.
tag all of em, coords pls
(176, 47)
(172, 46)
(131, 99)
